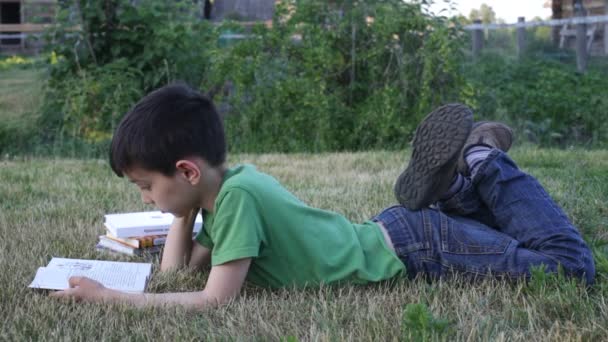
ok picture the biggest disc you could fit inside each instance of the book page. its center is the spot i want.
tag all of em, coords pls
(122, 276)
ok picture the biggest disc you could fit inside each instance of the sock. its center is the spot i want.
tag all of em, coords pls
(474, 157)
(458, 183)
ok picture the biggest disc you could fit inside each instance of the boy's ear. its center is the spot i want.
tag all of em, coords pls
(190, 171)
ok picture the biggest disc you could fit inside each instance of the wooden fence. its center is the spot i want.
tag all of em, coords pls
(582, 31)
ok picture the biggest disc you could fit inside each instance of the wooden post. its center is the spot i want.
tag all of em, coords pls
(521, 37)
(21, 21)
(606, 29)
(581, 38)
(477, 39)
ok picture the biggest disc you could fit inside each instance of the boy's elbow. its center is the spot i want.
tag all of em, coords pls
(168, 266)
(206, 300)
(170, 263)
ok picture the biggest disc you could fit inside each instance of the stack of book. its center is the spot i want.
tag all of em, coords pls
(138, 233)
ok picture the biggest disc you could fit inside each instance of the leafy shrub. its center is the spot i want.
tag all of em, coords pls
(16, 62)
(106, 54)
(343, 75)
(546, 99)
(340, 75)
(103, 92)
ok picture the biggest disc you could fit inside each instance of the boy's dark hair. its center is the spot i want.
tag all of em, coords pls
(169, 124)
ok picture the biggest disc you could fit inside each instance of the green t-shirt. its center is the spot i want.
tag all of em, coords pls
(290, 242)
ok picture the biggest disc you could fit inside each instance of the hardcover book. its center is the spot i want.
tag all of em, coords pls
(145, 223)
(108, 243)
(139, 241)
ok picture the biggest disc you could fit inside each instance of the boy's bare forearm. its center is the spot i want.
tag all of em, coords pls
(178, 245)
(189, 300)
(224, 283)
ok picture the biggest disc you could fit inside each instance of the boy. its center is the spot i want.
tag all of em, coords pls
(496, 221)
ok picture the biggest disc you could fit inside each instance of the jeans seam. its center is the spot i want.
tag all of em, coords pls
(428, 229)
(444, 232)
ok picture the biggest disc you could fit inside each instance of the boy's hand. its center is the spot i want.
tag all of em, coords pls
(185, 222)
(190, 218)
(84, 289)
(178, 246)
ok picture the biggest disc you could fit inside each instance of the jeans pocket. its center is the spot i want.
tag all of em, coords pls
(460, 235)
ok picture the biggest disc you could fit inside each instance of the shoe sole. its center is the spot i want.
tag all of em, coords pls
(437, 145)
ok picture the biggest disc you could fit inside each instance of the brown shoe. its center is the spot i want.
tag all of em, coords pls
(437, 147)
(490, 133)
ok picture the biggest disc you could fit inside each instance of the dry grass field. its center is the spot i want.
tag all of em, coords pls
(54, 207)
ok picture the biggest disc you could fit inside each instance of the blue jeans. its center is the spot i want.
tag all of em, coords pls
(503, 224)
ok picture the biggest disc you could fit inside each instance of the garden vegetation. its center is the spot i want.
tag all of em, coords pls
(327, 76)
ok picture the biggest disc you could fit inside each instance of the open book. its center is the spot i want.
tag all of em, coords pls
(122, 276)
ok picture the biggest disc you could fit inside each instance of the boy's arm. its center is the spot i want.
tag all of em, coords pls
(179, 248)
(199, 257)
(224, 283)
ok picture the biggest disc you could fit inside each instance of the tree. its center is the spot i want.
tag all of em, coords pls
(485, 13)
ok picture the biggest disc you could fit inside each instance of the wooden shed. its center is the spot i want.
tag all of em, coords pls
(593, 7)
(598, 33)
(21, 20)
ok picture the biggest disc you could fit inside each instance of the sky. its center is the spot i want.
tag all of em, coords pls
(508, 10)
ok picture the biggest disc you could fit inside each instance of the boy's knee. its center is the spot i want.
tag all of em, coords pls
(576, 259)
(587, 272)
(585, 268)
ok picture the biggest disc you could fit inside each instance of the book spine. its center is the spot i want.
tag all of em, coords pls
(156, 241)
(140, 241)
(138, 231)
(117, 247)
(143, 231)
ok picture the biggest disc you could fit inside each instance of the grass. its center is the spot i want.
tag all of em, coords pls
(17, 85)
(20, 101)
(54, 207)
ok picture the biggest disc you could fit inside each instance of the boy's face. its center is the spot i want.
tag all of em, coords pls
(172, 194)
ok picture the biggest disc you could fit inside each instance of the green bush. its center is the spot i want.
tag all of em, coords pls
(340, 75)
(346, 75)
(92, 101)
(13, 62)
(117, 53)
(546, 99)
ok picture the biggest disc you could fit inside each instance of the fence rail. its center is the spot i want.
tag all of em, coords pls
(584, 36)
(20, 28)
(554, 22)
